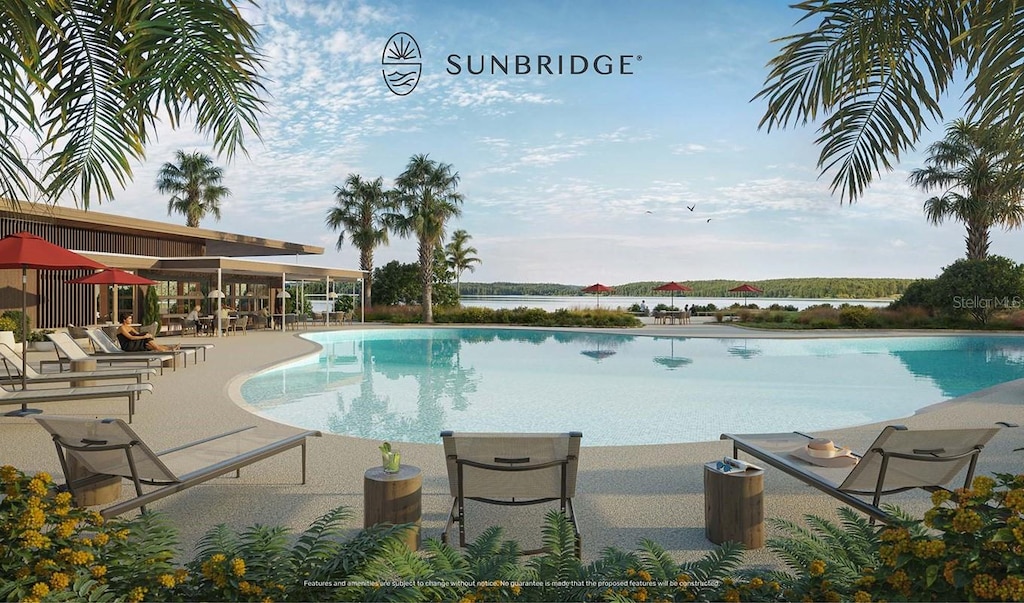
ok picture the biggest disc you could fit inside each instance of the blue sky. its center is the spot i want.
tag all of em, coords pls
(571, 178)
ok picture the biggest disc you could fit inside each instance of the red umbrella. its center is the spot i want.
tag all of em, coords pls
(25, 250)
(598, 288)
(672, 287)
(744, 289)
(112, 277)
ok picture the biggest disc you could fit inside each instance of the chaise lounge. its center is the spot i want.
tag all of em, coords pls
(898, 460)
(25, 397)
(511, 469)
(68, 350)
(102, 448)
(105, 345)
(12, 363)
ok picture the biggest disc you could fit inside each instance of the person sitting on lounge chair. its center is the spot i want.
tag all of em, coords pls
(133, 341)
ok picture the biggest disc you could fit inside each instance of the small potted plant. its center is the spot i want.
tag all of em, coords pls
(390, 459)
(38, 342)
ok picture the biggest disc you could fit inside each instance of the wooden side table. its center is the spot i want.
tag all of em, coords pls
(394, 498)
(82, 365)
(734, 506)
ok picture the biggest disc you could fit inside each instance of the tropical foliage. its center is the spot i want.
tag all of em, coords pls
(871, 75)
(461, 256)
(427, 199)
(978, 170)
(399, 284)
(84, 84)
(360, 211)
(562, 317)
(195, 185)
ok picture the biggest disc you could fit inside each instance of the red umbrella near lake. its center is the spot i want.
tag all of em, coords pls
(25, 250)
(672, 287)
(598, 288)
(744, 289)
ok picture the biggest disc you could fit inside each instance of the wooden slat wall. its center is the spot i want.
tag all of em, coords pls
(58, 303)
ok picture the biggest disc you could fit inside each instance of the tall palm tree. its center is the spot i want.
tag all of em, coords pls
(196, 185)
(984, 182)
(460, 257)
(82, 84)
(361, 210)
(427, 199)
(871, 74)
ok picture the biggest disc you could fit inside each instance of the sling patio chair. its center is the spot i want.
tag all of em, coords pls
(511, 469)
(105, 345)
(899, 459)
(12, 362)
(110, 343)
(68, 350)
(102, 448)
(24, 397)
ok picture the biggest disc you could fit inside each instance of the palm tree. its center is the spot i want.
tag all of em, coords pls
(874, 72)
(84, 83)
(361, 210)
(427, 199)
(983, 182)
(460, 257)
(196, 184)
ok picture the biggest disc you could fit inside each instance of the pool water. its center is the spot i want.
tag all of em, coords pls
(408, 385)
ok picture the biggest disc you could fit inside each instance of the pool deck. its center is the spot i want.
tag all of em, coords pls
(625, 493)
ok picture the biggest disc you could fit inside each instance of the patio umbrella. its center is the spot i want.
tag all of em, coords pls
(598, 288)
(112, 277)
(745, 289)
(25, 250)
(672, 287)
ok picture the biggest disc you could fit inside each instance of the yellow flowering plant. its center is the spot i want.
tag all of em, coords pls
(50, 548)
(971, 550)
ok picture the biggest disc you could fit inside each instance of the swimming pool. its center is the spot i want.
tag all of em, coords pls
(407, 385)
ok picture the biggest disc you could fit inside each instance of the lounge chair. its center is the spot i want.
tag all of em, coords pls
(68, 350)
(25, 397)
(12, 362)
(900, 459)
(105, 345)
(112, 344)
(109, 447)
(511, 469)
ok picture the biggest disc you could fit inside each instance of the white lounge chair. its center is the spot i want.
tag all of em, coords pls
(511, 469)
(105, 345)
(68, 349)
(109, 447)
(898, 460)
(12, 362)
(25, 397)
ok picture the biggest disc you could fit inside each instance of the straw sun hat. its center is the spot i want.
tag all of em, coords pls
(823, 452)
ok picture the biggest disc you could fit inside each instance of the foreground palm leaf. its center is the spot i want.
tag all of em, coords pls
(84, 82)
(873, 71)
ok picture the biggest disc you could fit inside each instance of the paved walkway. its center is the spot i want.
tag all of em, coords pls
(626, 493)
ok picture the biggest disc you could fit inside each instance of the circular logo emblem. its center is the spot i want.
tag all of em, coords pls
(401, 63)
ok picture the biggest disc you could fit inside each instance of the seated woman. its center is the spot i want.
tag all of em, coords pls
(133, 341)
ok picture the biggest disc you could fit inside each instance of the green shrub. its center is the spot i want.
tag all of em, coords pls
(15, 315)
(857, 317)
(521, 316)
(8, 324)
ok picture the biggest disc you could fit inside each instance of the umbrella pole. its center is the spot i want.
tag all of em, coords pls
(24, 410)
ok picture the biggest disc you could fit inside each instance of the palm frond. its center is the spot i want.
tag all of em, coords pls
(874, 71)
(657, 561)
(996, 62)
(717, 565)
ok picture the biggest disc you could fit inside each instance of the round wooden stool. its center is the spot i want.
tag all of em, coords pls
(734, 506)
(393, 498)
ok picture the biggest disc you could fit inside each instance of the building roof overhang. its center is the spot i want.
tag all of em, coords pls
(234, 266)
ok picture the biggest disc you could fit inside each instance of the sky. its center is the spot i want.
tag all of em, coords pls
(571, 178)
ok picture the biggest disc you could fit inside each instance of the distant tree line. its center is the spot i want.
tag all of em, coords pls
(811, 288)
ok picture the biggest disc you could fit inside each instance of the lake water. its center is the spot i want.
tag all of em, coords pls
(550, 303)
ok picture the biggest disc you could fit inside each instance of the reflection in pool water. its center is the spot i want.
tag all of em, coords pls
(411, 384)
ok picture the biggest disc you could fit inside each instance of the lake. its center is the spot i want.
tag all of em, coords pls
(552, 302)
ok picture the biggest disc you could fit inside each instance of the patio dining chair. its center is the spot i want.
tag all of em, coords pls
(899, 459)
(101, 448)
(512, 469)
